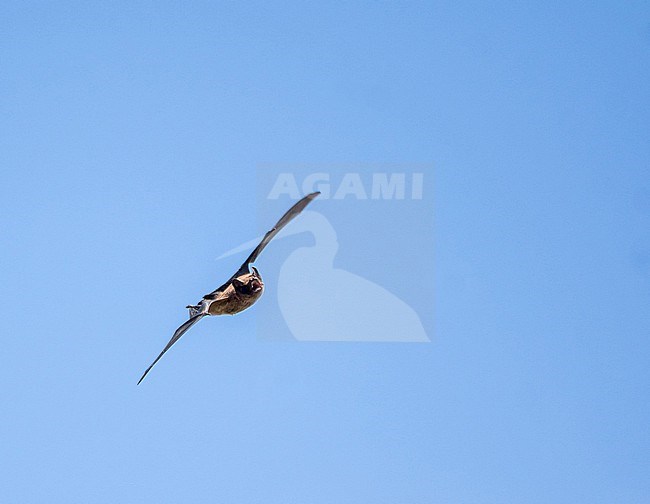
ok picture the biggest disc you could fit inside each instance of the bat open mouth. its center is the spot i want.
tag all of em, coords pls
(256, 285)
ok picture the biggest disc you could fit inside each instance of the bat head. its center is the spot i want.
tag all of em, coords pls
(249, 284)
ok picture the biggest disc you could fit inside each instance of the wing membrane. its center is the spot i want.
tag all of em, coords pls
(284, 220)
(177, 335)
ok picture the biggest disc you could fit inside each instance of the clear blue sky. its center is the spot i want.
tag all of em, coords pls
(130, 135)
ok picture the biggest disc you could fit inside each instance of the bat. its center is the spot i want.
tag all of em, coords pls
(241, 290)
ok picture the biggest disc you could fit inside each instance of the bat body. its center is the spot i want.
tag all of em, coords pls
(241, 290)
(241, 293)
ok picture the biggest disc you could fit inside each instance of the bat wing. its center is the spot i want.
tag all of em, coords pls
(177, 335)
(284, 220)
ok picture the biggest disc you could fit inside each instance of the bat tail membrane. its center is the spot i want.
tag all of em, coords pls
(194, 310)
(199, 309)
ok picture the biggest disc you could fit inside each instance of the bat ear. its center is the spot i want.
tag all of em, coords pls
(256, 273)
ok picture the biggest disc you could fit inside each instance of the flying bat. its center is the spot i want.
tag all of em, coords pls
(241, 290)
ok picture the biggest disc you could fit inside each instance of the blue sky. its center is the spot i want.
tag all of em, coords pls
(130, 139)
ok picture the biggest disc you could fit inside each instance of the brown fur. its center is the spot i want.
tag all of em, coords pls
(231, 300)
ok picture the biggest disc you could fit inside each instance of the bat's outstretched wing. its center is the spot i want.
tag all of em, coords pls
(284, 220)
(177, 335)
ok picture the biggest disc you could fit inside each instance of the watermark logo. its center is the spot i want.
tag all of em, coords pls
(384, 186)
(356, 265)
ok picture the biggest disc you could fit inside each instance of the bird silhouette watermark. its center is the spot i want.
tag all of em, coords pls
(320, 299)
